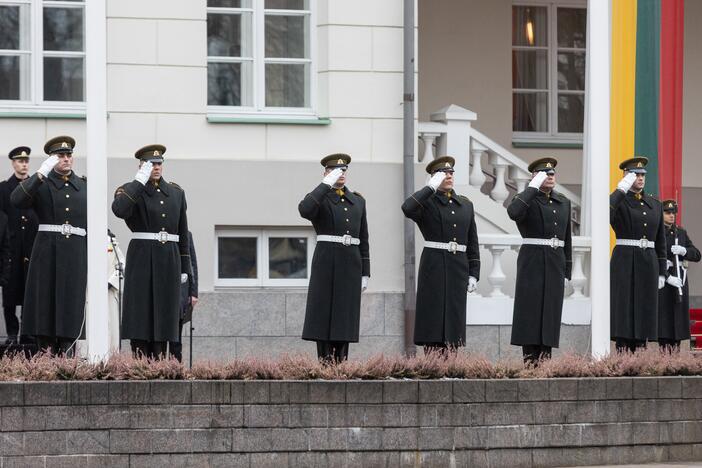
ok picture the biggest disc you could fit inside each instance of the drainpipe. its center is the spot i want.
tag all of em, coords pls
(408, 142)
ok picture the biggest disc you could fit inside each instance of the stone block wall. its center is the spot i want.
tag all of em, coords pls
(557, 422)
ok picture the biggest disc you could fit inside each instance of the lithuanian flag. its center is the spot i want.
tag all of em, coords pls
(646, 92)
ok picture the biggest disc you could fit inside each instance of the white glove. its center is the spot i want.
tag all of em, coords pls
(661, 282)
(47, 165)
(435, 180)
(364, 283)
(674, 281)
(144, 172)
(565, 283)
(627, 181)
(678, 250)
(538, 180)
(183, 278)
(331, 178)
(472, 284)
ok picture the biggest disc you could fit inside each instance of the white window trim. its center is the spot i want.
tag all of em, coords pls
(36, 104)
(262, 236)
(552, 136)
(258, 110)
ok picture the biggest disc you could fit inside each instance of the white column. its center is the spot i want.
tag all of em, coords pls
(477, 178)
(96, 99)
(520, 177)
(456, 141)
(596, 168)
(428, 138)
(499, 191)
(578, 279)
(497, 276)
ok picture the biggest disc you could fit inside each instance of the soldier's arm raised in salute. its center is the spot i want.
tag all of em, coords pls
(127, 194)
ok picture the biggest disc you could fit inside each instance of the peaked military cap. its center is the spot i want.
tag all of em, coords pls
(671, 206)
(443, 163)
(151, 153)
(336, 160)
(547, 165)
(20, 152)
(60, 144)
(636, 165)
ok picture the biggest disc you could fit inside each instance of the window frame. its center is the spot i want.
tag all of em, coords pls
(553, 136)
(36, 103)
(258, 108)
(262, 236)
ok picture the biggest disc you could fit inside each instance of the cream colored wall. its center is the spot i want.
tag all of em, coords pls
(465, 59)
(692, 96)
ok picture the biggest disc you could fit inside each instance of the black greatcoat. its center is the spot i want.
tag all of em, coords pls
(151, 309)
(442, 284)
(541, 270)
(54, 298)
(674, 316)
(334, 294)
(22, 228)
(634, 271)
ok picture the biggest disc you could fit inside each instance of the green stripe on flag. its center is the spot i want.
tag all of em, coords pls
(648, 31)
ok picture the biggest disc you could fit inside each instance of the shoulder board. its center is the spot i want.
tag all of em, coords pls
(652, 197)
(176, 185)
(119, 190)
(358, 193)
(85, 178)
(463, 197)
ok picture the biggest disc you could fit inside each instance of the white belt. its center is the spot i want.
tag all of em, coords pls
(450, 246)
(161, 236)
(63, 229)
(345, 239)
(640, 243)
(554, 242)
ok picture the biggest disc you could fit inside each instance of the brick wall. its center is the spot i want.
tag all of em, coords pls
(554, 422)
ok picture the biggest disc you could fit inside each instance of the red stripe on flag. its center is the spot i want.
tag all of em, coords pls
(670, 106)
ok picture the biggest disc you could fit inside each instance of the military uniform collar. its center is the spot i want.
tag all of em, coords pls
(636, 198)
(60, 181)
(545, 197)
(444, 197)
(160, 186)
(335, 198)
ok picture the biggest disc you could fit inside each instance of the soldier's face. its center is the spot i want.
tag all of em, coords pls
(156, 170)
(65, 162)
(668, 217)
(639, 182)
(447, 184)
(21, 166)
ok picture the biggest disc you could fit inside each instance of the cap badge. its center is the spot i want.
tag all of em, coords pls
(639, 165)
(447, 165)
(64, 145)
(548, 164)
(157, 153)
(23, 153)
(340, 161)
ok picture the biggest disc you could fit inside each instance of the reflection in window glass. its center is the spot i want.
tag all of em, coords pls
(529, 26)
(287, 4)
(63, 29)
(229, 3)
(287, 257)
(286, 85)
(64, 78)
(571, 109)
(572, 27)
(286, 36)
(10, 78)
(530, 112)
(229, 35)
(237, 257)
(9, 27)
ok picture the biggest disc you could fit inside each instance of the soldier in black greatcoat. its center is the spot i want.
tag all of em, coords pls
(674, 298)
(638, 264)
(158, 257)
(450, 264)
(54, 297)
(544, 262)
(341, 262)
(22, 228)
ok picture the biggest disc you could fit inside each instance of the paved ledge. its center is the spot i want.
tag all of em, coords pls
(540, 422)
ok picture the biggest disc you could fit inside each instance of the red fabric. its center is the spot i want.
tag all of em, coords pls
(670, 108)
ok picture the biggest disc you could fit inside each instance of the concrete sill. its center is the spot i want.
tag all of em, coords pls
(77, 115)
(268, 120)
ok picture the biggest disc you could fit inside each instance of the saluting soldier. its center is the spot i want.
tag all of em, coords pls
(674, 298)
(54, 298)
(638, 263)
(341, 262)
(22, 228)
(544, 263)
(450, 264)
(158, 258)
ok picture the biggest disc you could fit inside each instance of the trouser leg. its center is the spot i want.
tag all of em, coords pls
(324, 351)
(176, 348)
(11, 322)
(629, 345)
(341, 351)
(545, 352)
(47, 344)
(669, 345)
(140, 348)
(64, 346)
(531, 353)
(440, 349)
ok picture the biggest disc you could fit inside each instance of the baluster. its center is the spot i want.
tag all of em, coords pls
(578, 278)
(499, 192)
(520, 177)
(428, 138)
(497, 276)
(477, 178)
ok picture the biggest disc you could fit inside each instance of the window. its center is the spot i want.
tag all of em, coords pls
(260, 56)
(263, 257)
(548, 71)
(42, 54)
